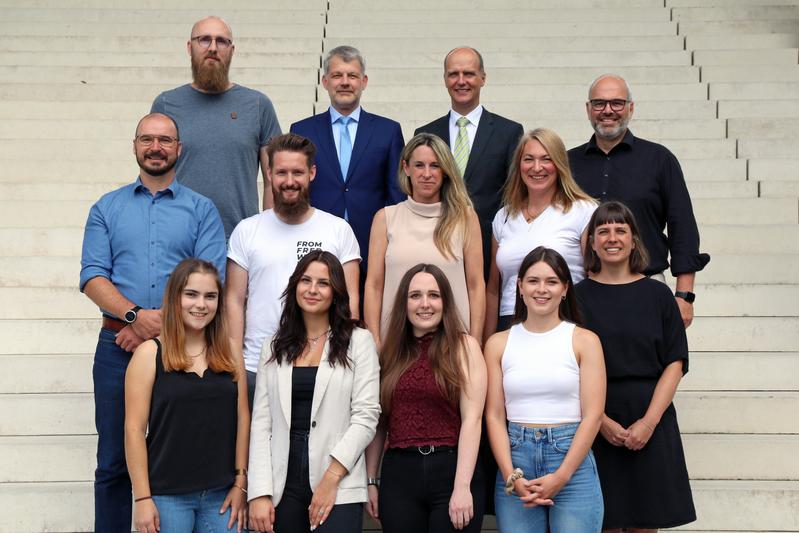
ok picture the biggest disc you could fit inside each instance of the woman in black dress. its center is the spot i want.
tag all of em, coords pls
(639, 453)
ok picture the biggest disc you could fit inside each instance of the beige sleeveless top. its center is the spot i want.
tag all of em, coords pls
(409, 228)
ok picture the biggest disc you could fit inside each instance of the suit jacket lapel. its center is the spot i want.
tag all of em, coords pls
(323, 375)
(484, 131)
(284, 389)
(327, 148)
(362, 138)
(441, 128)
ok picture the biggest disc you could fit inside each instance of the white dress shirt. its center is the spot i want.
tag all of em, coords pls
(471, 128)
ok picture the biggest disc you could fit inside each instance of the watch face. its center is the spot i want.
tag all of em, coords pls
(130, 316)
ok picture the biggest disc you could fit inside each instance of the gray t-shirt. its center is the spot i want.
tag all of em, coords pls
(221, 135)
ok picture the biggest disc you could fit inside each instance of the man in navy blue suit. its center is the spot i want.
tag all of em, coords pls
(357, 152)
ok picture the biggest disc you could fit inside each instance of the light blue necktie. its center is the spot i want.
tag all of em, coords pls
(345, 147)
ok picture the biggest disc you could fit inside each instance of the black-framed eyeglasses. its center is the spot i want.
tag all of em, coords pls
(597, 104)
(164, 140)
(223, 43)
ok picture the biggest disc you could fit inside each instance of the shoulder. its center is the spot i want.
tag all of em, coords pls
(584, 337)
(250, 224)
(502, 122)
(245, 92)
(202, 202)
(496, 343)
(652, 148)
(177, 92)
(362, 344)
(307, 122)
(578, 151)
(435, 126)
(361, 336)
(379, 120)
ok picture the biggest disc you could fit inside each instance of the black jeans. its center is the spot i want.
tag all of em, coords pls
(291, 514)
(415, 490)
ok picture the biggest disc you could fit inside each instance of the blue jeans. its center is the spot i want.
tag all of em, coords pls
(578, 506)
(113, 504)
(196, 512)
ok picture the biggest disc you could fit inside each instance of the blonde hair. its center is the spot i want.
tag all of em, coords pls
(455, 201)
(567, 191)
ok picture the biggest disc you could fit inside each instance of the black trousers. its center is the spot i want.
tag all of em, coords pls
(415, 490)
(291, 514)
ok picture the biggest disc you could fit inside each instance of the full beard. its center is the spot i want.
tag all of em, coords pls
(292, 210)
(211, 77)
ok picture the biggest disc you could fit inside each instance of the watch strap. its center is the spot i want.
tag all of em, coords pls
(686, 295)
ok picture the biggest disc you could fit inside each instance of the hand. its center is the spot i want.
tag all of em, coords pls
(639, 434)
(148, 323)
(324, 497)
(127, 339)
(543, 489)
(145, 516)
(461, 507)
(686, 311)
(371, 502)
(237, 502)
(262, 514)
(613, 432)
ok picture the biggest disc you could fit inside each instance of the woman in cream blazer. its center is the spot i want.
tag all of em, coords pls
(316, 408)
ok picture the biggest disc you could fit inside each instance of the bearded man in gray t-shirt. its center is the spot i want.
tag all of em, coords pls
(224, 127)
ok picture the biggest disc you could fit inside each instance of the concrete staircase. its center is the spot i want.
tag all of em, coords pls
(717, 81)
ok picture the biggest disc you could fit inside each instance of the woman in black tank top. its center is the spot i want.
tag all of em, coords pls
(186, 413)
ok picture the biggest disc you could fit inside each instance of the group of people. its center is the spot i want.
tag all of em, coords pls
(519, 349)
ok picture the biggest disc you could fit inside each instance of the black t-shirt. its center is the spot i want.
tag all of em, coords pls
(191, 445)
(303, 381)
(639, 325)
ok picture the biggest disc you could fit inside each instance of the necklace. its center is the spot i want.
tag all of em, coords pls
(199, 354)
(314, 340)
(528, 217)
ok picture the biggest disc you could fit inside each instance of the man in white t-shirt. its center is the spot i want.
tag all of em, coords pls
(264, 249)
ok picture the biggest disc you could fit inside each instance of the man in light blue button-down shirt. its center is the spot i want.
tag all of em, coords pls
(134, 238)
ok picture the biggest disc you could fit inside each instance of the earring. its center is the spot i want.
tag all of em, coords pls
(563, 297)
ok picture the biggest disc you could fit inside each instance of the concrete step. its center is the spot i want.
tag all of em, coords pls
(770, 73)
(763, 128)
(726, 170)
(717, 457)
(342, 17)
(727, 334)
(110, 172)
(745, 299)
(774, 56)
(487, 5)
(743, 211)
(728, 3)
(737, 13)
(557, 29)
(172, 44)
(312, 27)
(779, 189)
(774, 169)
(756, 90)
(741, 371)
(167, 76)
(726, 190)
(764, 267)
(777, 108)
(166, 14)
(270, 60)
(28, 374)
(486, 43)
(753, 41)
(768, 148)
(47, 302)
(276, 5)
(55, 191)
(53, 458)
(39, 271)
(110, 92)
(738, 26)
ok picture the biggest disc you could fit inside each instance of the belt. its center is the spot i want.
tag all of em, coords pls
(426, 449)
(113, 324)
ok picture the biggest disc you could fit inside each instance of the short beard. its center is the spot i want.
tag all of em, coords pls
(212, 78)
(612, 133)
(293, 210)
(154, 172)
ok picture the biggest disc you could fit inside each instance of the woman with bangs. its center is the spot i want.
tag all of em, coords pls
(436, 224)
(432, 390)
(638, 451)
(542, 206)
(189, 471)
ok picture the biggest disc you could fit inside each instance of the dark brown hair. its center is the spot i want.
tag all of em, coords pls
(615, 213)
(291, 142)
(568, 309)
(173, 332)
(291, 336)
(400, 348)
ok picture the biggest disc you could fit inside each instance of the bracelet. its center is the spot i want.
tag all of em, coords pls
(650, 428)
(242, 489)
(240, 472)
(137, 500)
(517, 473)
(373, 481)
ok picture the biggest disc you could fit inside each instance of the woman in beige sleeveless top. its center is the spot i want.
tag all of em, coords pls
(436, 224)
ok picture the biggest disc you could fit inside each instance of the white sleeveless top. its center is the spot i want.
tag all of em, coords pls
(540, 376)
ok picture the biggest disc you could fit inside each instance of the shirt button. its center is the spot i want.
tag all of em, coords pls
(313, 424)
(152, 286)
(346, 190)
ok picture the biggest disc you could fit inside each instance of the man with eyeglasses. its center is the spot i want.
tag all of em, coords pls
(225, 127)
(134, 238)
(616, 165)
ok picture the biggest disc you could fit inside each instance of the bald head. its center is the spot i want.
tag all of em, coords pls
(611, 80)
(212, 25)
(464, 51)
(161, 119)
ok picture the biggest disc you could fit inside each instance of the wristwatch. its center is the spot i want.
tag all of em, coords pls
(131, 314)
(686, 295)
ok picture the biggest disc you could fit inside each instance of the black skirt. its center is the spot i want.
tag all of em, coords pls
(647, 488)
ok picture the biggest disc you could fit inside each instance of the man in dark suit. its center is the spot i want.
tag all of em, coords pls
(482, 142)
(357, 154)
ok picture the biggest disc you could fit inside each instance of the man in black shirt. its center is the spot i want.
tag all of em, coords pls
(616, 165)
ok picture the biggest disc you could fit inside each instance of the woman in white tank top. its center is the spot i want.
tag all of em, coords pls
(546, 395)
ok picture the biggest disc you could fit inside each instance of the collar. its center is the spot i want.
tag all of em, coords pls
(174, 187)
(628, 142)
(335, 115)
(473, 116)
